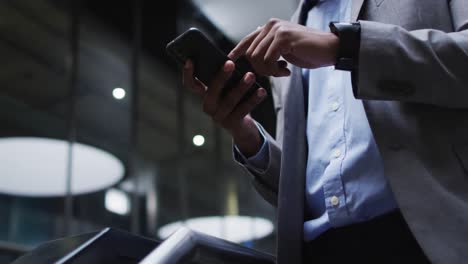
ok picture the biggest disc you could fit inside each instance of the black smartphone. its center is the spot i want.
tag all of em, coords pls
(207, 59)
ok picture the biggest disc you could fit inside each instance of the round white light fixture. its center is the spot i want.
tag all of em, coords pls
(236, 229)
(38, 167)
(118, 93)
(198, 140)
(117, 201)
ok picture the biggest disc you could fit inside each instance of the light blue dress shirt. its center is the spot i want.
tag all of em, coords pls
(345, 180)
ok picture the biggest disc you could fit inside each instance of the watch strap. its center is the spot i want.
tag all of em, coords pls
(348, 50)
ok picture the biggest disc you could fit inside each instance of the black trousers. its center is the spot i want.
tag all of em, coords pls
(385, 239)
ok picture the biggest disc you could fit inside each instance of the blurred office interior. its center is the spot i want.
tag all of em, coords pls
(96, 130)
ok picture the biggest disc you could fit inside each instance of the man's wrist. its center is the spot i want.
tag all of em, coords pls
(334, 44)
(249, 146)
(247, 138)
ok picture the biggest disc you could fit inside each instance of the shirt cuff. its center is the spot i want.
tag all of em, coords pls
(259, 161)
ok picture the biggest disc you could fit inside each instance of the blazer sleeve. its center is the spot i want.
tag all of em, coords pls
(422, 66)
(266, 181)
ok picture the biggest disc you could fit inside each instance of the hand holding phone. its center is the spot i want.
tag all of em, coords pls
(232, 90)
(208, 59)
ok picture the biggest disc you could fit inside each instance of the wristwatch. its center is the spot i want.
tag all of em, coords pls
(350, 40)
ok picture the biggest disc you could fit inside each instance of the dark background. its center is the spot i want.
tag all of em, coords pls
(150, 130)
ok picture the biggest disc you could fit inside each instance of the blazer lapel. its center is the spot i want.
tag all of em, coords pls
(292, 179)
(295, 16)
(293, 164)
(356, 8)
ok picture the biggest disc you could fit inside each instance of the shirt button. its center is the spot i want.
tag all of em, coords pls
(336, 153)
(335, 201)
(334, 106)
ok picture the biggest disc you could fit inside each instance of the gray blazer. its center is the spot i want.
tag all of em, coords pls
(413, 80)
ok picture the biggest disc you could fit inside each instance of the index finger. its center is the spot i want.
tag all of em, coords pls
(187, 75)
(189, 82)
(244, 44)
